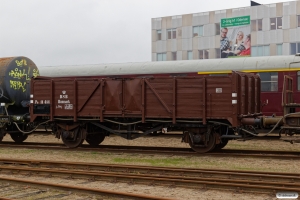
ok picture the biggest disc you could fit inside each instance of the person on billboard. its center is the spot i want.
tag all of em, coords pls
(224, 43)
(247, 44)
(239, 39)
(238, 45)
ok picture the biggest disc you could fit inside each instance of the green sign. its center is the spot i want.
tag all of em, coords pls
(235, 21)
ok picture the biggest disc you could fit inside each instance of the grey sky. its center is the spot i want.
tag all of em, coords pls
(68, 32)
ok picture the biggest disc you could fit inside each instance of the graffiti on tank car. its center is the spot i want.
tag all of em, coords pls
(21, 63)
(23, 74)
(18, 85)
(35, 73)
(18, 74)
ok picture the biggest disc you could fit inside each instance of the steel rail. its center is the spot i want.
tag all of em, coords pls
(83, 189)
(137, 168)
(184, 149)
(180, 181)
(289, 155)
(83, 146)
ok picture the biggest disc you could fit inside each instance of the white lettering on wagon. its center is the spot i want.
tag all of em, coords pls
(41, 101)
(68, 106)
(59, 106)
(64, 96)
(218, 90)
(63, 99)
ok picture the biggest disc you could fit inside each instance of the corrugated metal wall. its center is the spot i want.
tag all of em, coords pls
(220, 14)
(179, 55)
(236, 12)
(176, 21)
(187, 44)
(209, 30)
(161, 46)
(200, 19)
(285, 22)
(187, 32)
(156, 23)
(285, 49)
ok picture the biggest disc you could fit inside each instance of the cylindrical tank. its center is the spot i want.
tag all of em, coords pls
(15, 74)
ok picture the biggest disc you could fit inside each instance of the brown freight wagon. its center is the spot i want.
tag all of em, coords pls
(209, 110)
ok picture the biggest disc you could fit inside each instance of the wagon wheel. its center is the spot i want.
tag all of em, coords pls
(202, 146)
(73, 138)
(18, 137)
(95, 139)
(222, 144)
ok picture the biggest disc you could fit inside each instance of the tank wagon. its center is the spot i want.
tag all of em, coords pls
(209, 110)
(15, 75)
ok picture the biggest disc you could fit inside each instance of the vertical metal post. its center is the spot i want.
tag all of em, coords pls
(174, 101)
(101, 99)
(52, 100)
(236, 101)
(75, 100)
(123, 98)
(204, 100)
(143, 100)
(32, 100)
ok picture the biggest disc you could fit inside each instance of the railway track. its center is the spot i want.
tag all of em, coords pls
(42, 187)
(287, 155)
(264, 182)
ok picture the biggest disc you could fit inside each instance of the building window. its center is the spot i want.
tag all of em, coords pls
(217, 28)
(171, 33)
(218, 53)
(260, 50)
(174, 55)
(269, 81)
(161, 57)
(279, 49)
(276, 23)
(206, 54)
(256, 25)
(203, 54)
(190, 55)
(197, 31)
(294, 48)
(158, 34)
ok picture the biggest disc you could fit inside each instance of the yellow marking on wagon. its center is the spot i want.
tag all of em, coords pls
(252, 70)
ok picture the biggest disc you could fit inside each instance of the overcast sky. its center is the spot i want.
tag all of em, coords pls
(69, 32)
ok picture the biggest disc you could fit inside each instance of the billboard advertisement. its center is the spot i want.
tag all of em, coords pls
(235, 36)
